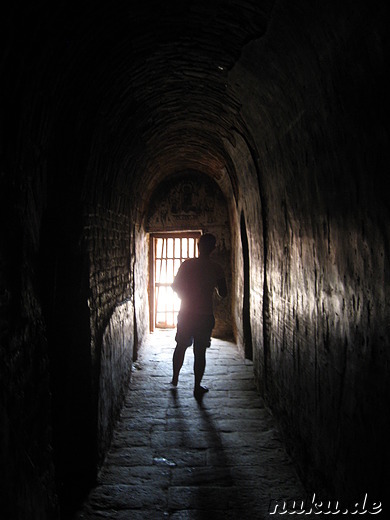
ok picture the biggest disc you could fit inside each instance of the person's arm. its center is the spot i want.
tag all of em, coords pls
(179, 284)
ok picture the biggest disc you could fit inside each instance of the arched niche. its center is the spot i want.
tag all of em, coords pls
(189, 201)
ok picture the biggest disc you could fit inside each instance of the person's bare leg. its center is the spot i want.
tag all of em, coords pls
(177, 362)
(199, 368)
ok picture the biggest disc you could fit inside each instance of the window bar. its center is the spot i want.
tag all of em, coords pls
(159, 275)
(164, 309)
(171, 310)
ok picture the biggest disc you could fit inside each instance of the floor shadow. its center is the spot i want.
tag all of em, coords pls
(218, 484)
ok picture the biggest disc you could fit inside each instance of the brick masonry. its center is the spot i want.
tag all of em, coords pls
(107, 238)
(283, 106)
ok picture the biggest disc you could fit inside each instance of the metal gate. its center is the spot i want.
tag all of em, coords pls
(169, 250)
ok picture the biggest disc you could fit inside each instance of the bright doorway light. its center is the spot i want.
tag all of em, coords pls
(169, 251)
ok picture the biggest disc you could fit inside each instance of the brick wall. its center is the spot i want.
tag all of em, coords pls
(27, 485)
(325, 341)
(249, 220)
(108, 240)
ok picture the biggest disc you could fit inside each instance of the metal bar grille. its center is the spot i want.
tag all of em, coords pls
(170, 251)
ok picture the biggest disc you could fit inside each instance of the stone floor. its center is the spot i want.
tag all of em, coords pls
(174, 457)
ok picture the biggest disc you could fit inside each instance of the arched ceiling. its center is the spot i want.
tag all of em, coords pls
(150, 81)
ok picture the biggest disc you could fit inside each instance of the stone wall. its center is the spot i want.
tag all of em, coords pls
(115, 371)
(325, 339)
(108, 238)
(27, 474)
(27, 470)
(248, 227)
(141, 281)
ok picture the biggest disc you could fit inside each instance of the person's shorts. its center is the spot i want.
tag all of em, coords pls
(194, 328)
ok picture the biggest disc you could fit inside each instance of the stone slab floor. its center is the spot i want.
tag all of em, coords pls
(174, 457)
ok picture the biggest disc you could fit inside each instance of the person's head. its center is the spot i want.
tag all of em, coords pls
(206, 244)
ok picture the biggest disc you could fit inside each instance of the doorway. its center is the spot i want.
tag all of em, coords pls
(246, 299)
(167, 252)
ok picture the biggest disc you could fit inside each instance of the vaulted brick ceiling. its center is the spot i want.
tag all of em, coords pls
(150, 82)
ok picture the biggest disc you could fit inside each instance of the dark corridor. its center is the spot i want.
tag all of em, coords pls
(260, 121)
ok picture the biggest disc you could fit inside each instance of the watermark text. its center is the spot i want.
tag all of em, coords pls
(315, 506)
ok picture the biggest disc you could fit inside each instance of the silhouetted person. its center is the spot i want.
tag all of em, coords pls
(195, 282)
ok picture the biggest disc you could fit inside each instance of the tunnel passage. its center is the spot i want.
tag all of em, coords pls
(282, 105)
